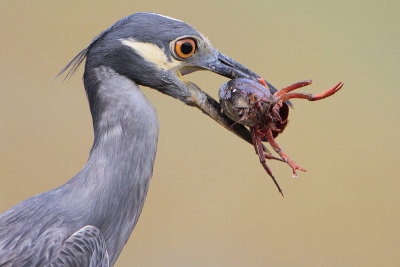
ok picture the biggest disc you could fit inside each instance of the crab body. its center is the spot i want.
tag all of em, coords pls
(252, 104)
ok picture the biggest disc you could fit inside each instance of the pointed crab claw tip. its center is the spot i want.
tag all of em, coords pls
(338, 86)
(298, 168)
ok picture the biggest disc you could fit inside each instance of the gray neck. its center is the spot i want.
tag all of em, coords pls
(115, 180)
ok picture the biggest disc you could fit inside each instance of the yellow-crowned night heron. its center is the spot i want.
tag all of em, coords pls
(88, 220)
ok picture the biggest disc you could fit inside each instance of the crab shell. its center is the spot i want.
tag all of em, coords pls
(251, 104)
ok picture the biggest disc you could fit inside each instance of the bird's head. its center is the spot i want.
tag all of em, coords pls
(157, 51)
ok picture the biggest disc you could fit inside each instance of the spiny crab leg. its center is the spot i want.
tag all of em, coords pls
(285, 157)
(311, 97)
(259, 150)
(293, 87)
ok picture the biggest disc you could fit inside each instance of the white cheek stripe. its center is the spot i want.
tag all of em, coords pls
(151, 53)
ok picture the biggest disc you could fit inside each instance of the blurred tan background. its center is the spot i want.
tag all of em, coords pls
(210, 202)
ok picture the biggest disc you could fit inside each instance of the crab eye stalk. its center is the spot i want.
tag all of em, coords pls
(185, 48)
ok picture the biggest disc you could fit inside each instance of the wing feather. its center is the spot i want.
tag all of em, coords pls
(85, 247)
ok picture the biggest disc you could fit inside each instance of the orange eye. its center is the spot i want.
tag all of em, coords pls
(185, 48)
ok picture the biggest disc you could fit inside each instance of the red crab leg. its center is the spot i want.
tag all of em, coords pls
(293, 87)
(267, 154)
(311, 97)
(259, 150)
(285, 157)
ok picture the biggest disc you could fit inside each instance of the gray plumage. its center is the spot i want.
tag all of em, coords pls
(108, 193)
(88, 220)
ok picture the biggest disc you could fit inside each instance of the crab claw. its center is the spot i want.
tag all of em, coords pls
(327, 93)
(292, 87)
(311, 97)
(294, 166)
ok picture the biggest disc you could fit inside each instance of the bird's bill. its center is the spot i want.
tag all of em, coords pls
(229, 68)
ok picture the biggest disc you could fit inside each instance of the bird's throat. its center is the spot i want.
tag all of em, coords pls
(121, 160)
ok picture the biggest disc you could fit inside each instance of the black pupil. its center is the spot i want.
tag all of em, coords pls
(186, 48)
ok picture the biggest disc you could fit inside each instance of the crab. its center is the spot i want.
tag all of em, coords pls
(253, 104)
